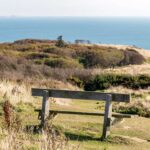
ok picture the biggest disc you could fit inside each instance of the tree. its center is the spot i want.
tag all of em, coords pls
(60, 42)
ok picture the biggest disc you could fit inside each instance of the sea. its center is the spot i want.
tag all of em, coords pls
(132, 31)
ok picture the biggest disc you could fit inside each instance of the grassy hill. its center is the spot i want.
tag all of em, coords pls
(70, 56)
(40, 63)
(27, 59)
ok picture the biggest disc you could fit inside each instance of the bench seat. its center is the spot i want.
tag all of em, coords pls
(116, 115)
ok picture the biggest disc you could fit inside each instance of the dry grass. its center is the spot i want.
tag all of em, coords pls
(21, 92)
(25, 141)
(131, 69)
(15, 92)
(143, 92)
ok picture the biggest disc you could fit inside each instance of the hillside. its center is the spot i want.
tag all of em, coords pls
(28, 58)
(25, 64)
(71, 56)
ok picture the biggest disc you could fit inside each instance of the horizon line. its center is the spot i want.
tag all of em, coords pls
(19, 16)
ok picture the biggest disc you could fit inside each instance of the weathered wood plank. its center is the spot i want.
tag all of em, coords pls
(45, 108)
(116, 115)
(107, 117)
(81, 95)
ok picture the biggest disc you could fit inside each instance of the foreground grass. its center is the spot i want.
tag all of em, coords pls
(83, 132)
(86, 131)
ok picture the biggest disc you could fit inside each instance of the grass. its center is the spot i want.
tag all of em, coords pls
(86, 130)
(83, 132)
(131, 69)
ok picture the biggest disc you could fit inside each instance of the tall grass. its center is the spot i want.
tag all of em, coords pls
(16, 133)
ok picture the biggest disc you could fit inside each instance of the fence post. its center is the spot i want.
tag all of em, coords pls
(45, 108)
(107, 117)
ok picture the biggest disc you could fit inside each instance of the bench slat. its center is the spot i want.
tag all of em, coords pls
(116, 115)
(84, 95)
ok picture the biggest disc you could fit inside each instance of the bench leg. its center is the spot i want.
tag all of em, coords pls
(45, 109)
(107, 117)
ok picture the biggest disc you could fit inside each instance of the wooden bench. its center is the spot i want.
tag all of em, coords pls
(107, 97)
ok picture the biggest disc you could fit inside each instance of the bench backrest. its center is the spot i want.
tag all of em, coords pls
(81, 95)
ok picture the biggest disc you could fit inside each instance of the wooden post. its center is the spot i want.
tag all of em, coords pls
(107, 117)
(45, 108)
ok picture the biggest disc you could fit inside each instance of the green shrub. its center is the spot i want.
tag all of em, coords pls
(50, 50)
(38, 61)
(100, 58)
(66, 52)
(132, 57)
(76, 81)
(97, 56)
(104, 81)
(62, 63)
(37, 55)
(138, 107)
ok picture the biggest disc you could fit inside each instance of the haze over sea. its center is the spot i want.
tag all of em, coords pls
(110, 30)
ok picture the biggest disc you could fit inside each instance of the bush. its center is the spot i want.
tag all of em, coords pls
(104, 81)
(62, 63)
(108, 57)
(140, 108)
(91, 59)
(100, 58)
(50, 50)
(76, 81)
(132, 57)
(37, 56)
(60, 52)
(7, 63)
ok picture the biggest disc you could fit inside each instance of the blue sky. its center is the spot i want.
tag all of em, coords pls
(74, 7)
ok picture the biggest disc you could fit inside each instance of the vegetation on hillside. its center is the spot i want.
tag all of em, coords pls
(27, 59)
(91, 56)
(53, 64)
